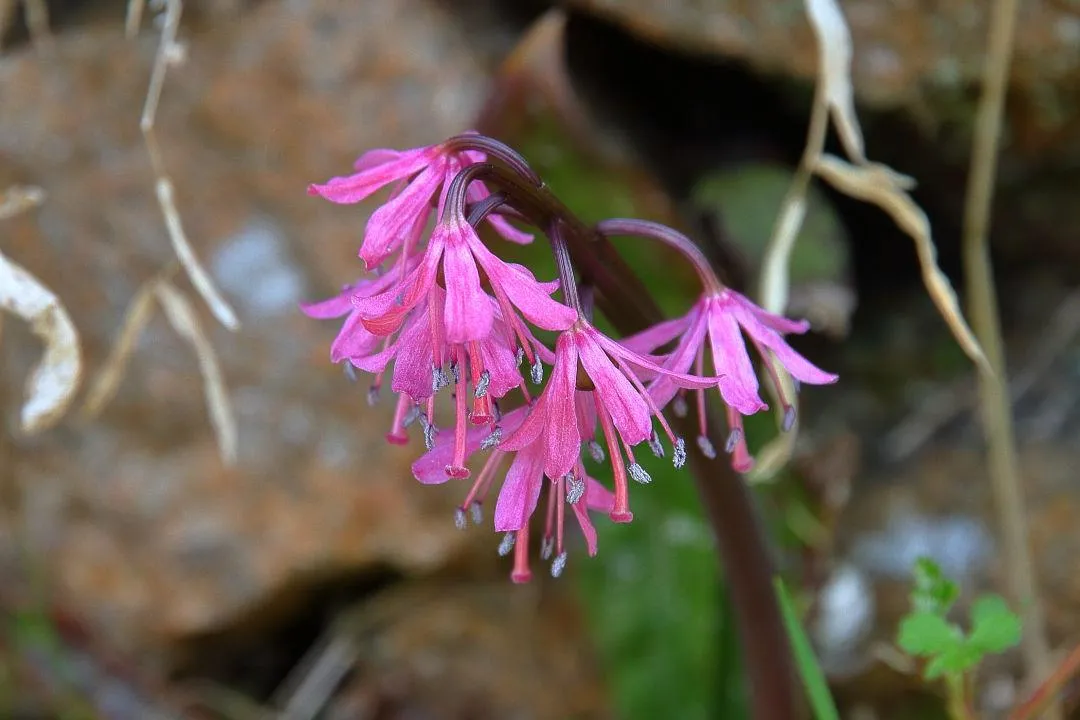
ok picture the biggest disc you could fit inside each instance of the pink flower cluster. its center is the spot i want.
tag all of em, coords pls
(447, 313)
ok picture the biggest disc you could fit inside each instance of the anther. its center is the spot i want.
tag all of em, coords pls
(733, 440)
(575, 488)
(507, 544)
(455, 372)
(706, 447)
(477, 512)
(492, 440)
(537, 372)
(429, 435)
(482, 385)
(547, 548)
(558, 565)
(655, 446)
(520, 355)
(679, 406)
(639, 474)
(596, 451)
(678, 455)
(460, 522)
(412, 415)
(350, 372)
(373, 395)
(438, 379)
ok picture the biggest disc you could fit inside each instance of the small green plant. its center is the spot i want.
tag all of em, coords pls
(951, 653)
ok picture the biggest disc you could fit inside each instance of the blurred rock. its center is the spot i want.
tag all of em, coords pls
(468, 651)
(131, 519)
(905, 53)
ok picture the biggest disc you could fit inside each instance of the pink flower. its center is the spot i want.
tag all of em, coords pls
(559, 419)
(722, 318)
(468, 313)
(422, 175)
(520, 495)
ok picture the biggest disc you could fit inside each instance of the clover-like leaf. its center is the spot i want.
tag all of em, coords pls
(933, 591)
(994, 627)
(955, 660)
(926, 633)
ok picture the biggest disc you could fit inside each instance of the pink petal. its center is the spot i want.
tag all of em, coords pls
(563, 443)
(413, 364)
(663, 389)
(795, 363)
(507, 231)
(520, 490)
(334, 307)
(376, 362)
(649, 339)
(383, 313)
(501, 363)
(371, 159)
(389, 225)
(353, 340)
(623, 402)
(775, 322)
(358, 186)
(468, 315)
(587, 529)
(585, 409)
(597, 497)
(632, 358)
(526, 295)
(739, 384)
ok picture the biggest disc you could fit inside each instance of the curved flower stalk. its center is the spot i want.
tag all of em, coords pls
(446, 312)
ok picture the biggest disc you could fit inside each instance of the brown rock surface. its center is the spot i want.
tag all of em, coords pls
(132, 518)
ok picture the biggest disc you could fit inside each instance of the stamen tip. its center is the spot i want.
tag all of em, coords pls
(460, 522)
(678, 456)
(789, 418)
(477, 512)
(558, 565)
(507, 543)
(639, 474)
(706, 447)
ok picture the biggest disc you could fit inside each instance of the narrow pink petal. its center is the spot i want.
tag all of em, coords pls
(587, 529)
(634, 359)
(500, 361)
(334, 307)
(376, 362)
(627, 407)
(649, 339)
(507, 231)
(774, 322)
(549, 286)
(353, 340)
(597, 497)
(526, 295)
(739, 384)
(372, 176)
(468, 315)
(795, 363)
(379, 156)
(520, 490)
(663, 388)
(563, 442)
(531, 427)
(412, 366)
(383, 313)
(389, 225)
(585, 409)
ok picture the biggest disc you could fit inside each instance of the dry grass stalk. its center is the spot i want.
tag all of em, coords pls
(834, 98)
(983, 306)
(182, 317)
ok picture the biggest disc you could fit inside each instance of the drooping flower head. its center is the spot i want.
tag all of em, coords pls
(451, 324)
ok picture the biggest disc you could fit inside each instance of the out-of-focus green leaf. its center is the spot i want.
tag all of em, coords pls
(994, 627)
(926, 633)
(813, 677)
(933, 592)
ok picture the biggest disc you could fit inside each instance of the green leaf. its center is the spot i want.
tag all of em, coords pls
(955, 660)
(926, 633)
(933, 591)
(994, 627)
(812, 676)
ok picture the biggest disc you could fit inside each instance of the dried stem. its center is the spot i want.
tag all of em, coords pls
(983, 308)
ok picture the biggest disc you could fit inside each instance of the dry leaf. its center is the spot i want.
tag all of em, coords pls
(882, 186)
(20, 198)
(834, 72)
(53, 382)
(107, 381)
(182, 317)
